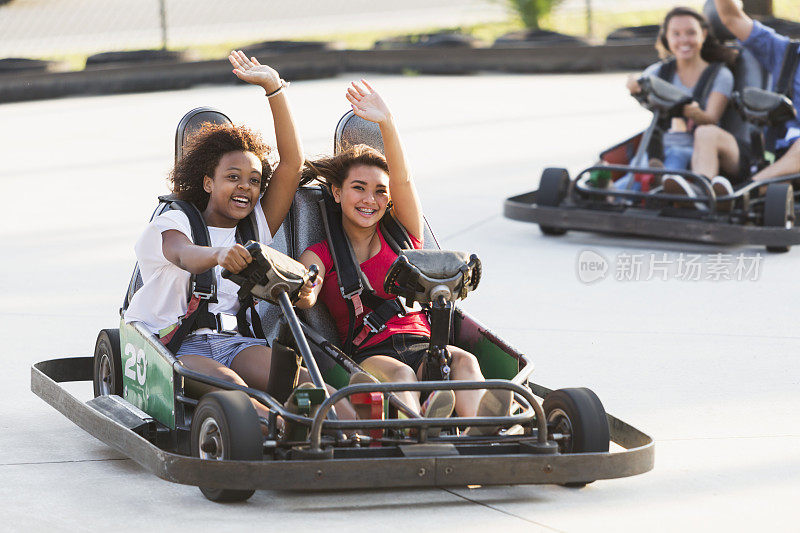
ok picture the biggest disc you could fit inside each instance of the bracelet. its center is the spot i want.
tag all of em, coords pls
(278, 90)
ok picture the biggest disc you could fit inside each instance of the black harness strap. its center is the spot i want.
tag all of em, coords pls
(784, 85)
(203, 286)
(245, 232)
(703, 86)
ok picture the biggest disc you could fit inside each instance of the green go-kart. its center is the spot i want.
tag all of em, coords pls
(191, 428)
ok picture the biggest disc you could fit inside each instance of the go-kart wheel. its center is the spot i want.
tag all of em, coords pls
(552, 190)
(578, 415)
(225, 426)
(779, 210)
(107, 375)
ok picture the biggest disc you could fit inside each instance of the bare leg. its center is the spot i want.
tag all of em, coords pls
(465, 367)
(343, 408)
(714, 149)
(212, 368)
(252, 364)
(388, 369)
(788, 164)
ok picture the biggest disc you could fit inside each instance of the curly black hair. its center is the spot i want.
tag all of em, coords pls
(203, 152)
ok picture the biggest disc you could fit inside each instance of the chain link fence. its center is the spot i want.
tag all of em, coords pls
(42, 28)
(60, 28)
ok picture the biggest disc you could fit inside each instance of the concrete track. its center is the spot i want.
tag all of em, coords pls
(709, 368)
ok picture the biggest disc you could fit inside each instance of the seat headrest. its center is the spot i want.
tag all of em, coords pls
(717, 27)
(352, 130)
(192, 121)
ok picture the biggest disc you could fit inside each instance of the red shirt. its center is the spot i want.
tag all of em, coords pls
(375, 269)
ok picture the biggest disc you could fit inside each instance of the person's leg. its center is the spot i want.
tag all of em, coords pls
(344, 409)
(465, 367)
(252, 364)
(789, 163)
(714, 149)
(206, 365)
(389, 369)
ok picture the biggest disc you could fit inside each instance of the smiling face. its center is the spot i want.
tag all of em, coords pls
(685, 36)
(233, 190)
(364, 195)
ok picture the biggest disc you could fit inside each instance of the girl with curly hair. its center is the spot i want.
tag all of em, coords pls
(225, 174)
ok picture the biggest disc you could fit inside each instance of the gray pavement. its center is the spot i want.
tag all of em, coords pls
(709, 368)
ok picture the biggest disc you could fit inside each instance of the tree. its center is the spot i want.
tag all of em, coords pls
(531, 11)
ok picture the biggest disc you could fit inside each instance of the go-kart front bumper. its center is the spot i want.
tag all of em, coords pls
(421, 465)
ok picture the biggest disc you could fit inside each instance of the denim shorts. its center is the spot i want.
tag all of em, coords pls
(678, 157)
(220, 348)
(406, 348)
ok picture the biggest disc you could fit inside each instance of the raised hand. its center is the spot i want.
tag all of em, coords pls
(251, 71)
(367, 103)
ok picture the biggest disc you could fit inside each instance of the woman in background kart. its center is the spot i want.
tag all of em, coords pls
(685, 35)
(366, 184)
(225, 174)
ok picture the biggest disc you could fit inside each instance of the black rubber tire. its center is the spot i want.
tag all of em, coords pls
(779, 210)
(552, 190)
(233, 421)
(585, 418)
(107, 373)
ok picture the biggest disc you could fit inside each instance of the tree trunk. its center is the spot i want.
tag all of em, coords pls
(758, 8)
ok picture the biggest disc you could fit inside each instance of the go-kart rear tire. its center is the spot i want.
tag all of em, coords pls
(107, 374)
(779, 210)
(225, 426)
(578, 414)
(552, 190)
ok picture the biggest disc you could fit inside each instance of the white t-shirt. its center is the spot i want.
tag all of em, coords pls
(164, 296)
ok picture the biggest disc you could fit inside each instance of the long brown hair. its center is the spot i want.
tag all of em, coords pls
(333, 170)
(712, 50)
(202, 155)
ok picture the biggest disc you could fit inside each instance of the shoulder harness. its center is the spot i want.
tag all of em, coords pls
(703, 86)
(353, 284)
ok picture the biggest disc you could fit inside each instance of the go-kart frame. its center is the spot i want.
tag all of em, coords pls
(143, 410)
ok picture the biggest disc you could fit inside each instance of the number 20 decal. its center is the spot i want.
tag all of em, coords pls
(136, 359)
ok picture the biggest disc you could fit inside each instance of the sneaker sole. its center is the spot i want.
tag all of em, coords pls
(441, 405)
(495, 402)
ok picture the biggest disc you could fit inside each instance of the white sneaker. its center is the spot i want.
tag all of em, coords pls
(440, 404)
(494, 402)
(675, 184)
(722, 187)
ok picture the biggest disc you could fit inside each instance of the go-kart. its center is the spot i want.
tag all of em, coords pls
(146, 404)
(761, 213)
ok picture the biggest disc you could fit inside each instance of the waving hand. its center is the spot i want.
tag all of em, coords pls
(366, 103)
(253, 72)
